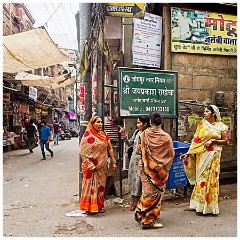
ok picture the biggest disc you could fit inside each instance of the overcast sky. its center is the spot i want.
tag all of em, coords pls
(61, 26)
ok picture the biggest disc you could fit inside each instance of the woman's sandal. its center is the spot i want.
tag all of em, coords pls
(88, 213)
(132, 208)
(101, 210)
(152, 226)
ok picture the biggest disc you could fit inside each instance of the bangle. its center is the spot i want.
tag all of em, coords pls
(114, 162)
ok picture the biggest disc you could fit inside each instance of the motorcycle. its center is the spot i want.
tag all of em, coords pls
(67, 134)
(62, 135)
(73, 133)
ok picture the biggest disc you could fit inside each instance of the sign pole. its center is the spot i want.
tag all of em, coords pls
(119, 140)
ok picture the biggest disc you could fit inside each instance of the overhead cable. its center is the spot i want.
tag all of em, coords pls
(52, 13)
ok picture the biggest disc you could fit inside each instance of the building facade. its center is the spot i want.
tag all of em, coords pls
(16, 18)
(206, 77)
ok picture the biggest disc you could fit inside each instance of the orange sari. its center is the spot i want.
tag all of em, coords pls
(93, 150)
(157, 155)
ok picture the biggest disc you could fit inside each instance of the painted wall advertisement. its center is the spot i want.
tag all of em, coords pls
(203, 32)
(147, 36)
(228, 121)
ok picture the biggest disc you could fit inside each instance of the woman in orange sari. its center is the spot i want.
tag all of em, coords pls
(94, 148)
(202, 161)
(157, 153)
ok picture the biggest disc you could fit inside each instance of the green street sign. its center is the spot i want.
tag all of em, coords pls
(142, 91)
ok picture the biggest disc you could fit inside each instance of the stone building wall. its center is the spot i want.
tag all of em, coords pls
(200, 77)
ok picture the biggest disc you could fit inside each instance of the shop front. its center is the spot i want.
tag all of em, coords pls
(43, 111)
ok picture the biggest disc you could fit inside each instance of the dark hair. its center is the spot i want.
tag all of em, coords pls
(44, 122)
(156, 118)
(32, 121)
(144, 119)
(209, 107)
(96, 119)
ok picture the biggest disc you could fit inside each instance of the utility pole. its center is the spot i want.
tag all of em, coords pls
(99, 11)
(84, 34)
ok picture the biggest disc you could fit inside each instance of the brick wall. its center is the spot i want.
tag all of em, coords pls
(199, 78)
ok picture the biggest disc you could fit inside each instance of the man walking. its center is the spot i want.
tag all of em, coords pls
(56, 127)
(44, 141)
(31, 135)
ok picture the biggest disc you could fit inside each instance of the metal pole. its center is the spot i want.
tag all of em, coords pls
(119, 140)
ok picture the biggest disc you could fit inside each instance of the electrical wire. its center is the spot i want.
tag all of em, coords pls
(60, 23)
(50, 14)
(64, 11)
(71, 30)
(68, 30)
(55, 23)
(28, 8)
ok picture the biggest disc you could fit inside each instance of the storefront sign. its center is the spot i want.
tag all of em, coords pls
(203, 32)
(125, 9)
(33, 93)
(147, 36)
(44, 112)
(72, 116)
(143, 91)
(82, 99)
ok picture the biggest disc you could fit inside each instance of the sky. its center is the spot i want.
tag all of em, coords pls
(61, 25)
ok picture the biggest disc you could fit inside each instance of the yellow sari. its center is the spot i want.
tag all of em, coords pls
(203, 167)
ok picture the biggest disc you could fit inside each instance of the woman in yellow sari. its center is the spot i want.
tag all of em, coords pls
(94, 148)
(157, 153)
(202, 161)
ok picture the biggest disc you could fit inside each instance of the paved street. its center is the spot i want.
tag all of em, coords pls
(37, 195)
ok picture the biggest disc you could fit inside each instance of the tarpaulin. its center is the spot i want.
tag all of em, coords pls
(30, 50)
(28, 79)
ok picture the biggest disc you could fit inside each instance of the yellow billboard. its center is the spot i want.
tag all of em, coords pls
(134, 10)
(203, 32)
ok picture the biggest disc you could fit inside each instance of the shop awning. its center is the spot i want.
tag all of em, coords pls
(30, 50)
(28, 79)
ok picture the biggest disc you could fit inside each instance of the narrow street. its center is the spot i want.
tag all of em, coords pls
(37, 195)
